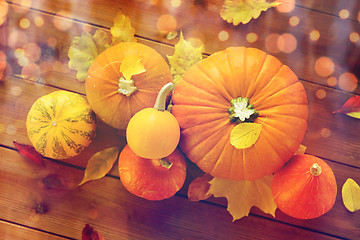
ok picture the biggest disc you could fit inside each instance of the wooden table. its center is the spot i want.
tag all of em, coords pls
(45, 202)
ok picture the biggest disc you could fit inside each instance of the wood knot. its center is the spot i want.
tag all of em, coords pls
(41, 208)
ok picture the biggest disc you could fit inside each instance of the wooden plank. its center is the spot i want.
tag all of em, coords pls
(205, 24)
(115, 213)
(13, 231)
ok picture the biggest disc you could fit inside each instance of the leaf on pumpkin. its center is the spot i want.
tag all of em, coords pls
(131, 65)
(100, 164)
(89, 233)
(122, 31)
(244, 135)
(351, 107)
(351, 195)
(242, 11)
(185, 56)
(199, 188)
(29, 152)
(83, 51)
(301, 150)
(243, 195)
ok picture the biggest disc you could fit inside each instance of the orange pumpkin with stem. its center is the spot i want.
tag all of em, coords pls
(116, 94)
(231, 87)
(305, 187)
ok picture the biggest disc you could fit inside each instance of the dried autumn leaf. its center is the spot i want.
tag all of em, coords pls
(29, 152)
(83, 51)
(244, 135)
(184, 57)
(199, 188)
(242, 11)
(131, 65)
(351, 107)
(351, 195)
(242, 195)
(88, 233)
(122, 31)
(100, 164)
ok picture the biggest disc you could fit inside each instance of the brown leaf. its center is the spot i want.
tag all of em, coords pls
(351, 107)
(89, 233)
(29, 152)
(199, 187)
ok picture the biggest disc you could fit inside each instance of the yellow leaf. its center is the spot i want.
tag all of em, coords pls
(100, 164)
(242, 11)
(244, 135)
(351, 195)
(131, 65)
(184, 57)
(301, 150)
(122, 31)
(242, 195)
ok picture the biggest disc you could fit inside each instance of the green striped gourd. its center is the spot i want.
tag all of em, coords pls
(61, 124)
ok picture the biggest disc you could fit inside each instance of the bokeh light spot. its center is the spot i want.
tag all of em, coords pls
(271, 43)
(325, 132)
(286, 6)
(61, 21)
(15, 91)
(175, 3)
(324, 66)
(87, 28)
(314, 35)
(51, 42)
(348, 82)
(354, 37)
(195, 42)
(31, 71)
(331, 81)
(4, 8)
(294, 21)
(166, 23)
(344, 13)
(25, 5)
(32, 52)
(17, 39)
(39, 21)
(251, 37)
(11, 129)
(320, 93)
(287, 43)
(24, 23)
(223, 35)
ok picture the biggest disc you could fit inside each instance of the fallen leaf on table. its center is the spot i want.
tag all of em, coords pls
(244, 135)
(83, 51)
(242, 195)
(29, 152)
(351, 107)
(184, 57)
(242, 11)
(88, 233)
(2, 64)
(301, 150)
(100, 164)
(199, 188)
(351, 195)
(122, 31)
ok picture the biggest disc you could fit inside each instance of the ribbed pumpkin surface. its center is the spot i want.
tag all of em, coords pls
(102, 83)
(201, 102)
(61, 124)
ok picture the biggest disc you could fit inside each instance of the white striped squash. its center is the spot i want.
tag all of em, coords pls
(61, 124)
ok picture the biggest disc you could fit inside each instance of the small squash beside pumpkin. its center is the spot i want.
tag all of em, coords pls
(114, 96)
(61, 124)
(231, 87)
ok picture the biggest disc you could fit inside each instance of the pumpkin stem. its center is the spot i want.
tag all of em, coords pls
(315, 169)
(241, 111)
(161, 97)
(126, 87)
(166, 163)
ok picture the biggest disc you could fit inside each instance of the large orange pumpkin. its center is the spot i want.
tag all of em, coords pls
(202, 107)
(115, 102)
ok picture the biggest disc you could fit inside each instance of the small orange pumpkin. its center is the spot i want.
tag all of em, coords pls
(205, 104)
(152, 179)
(305, 187)
(115, 99)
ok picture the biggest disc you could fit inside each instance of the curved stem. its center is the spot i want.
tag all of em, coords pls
(161, 97)
(315, 169)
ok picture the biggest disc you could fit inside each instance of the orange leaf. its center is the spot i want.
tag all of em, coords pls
(351, 107)
(199, 188)
(29, 152)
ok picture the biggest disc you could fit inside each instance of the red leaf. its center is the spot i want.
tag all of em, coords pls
(29, 152)
(199, 187)
(89, 233)
(350, 106)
